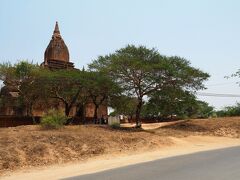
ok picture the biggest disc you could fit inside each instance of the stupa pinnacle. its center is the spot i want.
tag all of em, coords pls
(56, 55)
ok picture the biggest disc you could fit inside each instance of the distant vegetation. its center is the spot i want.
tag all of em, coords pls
(229, 111)
(158, 110)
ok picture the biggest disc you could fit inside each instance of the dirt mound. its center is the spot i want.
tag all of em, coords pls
(227, 127)
(27, 146)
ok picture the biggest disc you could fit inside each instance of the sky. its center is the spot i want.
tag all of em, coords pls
(205, 32)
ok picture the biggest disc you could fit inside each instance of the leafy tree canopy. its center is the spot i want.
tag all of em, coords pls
(141, 71)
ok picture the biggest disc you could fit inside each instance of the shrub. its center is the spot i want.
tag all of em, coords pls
(53, 119)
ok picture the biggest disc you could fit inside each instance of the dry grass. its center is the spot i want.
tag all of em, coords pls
(226, 127)
(27, 146)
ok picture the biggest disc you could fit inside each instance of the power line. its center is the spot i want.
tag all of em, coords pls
(218, 95)
(220, 84)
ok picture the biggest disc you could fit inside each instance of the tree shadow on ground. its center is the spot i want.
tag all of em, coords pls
(186, 126)
(123, 129)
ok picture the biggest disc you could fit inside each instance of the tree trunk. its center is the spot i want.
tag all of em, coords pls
(84, 114)
(31, 113)
(95, 113)
(28, 109)
(138, 111)
(67, 110)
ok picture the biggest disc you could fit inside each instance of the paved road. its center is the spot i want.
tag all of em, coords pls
(221, 164)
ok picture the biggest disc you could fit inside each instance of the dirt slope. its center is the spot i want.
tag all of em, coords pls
(26, 146)
(226, 127)
(30, 146)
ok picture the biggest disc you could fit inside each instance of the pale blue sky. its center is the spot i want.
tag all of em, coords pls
(206, 32)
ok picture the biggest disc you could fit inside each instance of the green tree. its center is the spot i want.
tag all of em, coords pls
(124, 105)
(204, 110)
(170, 102)
(100, 89)
(67, 86)
(141, 71)
(229, 111)
(24, 78)
(178, 103)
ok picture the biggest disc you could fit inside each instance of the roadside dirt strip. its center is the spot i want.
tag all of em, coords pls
(91, 148)
(182, 146)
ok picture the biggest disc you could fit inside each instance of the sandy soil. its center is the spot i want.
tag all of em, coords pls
(86, 148)
(30, 146)
(181, 146)
(152, 126)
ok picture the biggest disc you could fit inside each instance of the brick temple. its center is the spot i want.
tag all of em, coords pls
(56, 57)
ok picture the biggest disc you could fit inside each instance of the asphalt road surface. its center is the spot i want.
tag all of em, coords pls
(221, 164)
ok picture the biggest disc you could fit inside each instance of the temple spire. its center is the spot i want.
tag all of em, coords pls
(56, 30)
(56, 51)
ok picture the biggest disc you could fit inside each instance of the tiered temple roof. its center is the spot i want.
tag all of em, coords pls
(56, 55)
